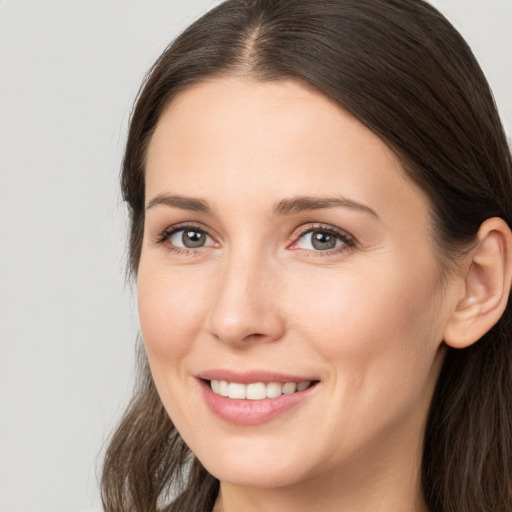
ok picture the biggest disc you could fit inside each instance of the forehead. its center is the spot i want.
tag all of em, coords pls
(258, 142)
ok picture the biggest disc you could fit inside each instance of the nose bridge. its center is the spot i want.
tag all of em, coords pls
(244, 306)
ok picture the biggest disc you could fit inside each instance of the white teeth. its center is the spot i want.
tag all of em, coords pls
(289, 388)
(236, 390)
(274, 389)
(216, 387)
(301, 386)
(223, 388)
(256, 390)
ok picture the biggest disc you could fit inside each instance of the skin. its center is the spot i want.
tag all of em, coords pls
(366, 319)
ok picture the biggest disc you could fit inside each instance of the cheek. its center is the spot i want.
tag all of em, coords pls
(376, 320)
(379, 337)
(171, 308)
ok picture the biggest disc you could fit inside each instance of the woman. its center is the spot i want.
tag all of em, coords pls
(320, 194)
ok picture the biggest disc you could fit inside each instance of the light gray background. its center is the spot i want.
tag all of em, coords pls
(69, 70)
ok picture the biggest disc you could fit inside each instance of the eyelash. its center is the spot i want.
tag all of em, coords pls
(164, 238)
(348, 241)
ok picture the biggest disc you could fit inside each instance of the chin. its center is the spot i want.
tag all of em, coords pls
(261, 464)
(256, 474)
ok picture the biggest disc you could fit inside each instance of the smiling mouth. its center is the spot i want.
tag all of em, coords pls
(257, 390)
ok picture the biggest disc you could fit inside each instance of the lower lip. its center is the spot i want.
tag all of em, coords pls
(252, 412)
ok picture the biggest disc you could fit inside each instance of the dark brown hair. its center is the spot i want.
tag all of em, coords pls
(402, 70)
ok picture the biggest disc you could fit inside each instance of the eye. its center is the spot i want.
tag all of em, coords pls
(190, 238)
(323, 239)
(185, 238)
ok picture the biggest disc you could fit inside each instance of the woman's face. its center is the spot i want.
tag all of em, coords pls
(283, 245)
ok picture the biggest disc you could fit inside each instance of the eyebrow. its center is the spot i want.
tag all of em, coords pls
(284, 207)
(304, 203)
(185, 203)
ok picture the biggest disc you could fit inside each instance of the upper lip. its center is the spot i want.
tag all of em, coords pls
(251, 376)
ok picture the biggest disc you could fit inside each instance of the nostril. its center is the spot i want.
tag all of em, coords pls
(255, 336)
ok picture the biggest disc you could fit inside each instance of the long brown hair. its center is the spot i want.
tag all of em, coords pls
(401, 69)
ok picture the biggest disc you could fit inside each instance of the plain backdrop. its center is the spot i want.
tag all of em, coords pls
(69, 71)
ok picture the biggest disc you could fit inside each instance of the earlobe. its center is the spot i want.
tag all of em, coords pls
(487, 285)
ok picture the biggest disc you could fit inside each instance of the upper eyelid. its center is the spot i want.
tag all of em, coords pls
(164, 235)
(314, 226)
(174, 228)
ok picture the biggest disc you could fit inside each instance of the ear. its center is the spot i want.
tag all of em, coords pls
(487, 285)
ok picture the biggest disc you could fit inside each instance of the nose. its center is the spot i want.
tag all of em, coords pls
(245, 308)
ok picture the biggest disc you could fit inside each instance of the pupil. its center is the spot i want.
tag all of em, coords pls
(323, 241)
(192, 239)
